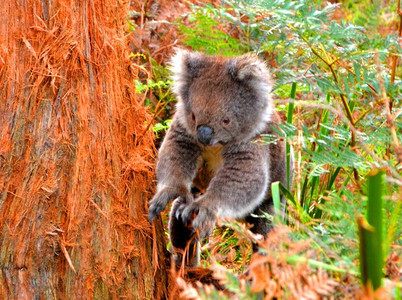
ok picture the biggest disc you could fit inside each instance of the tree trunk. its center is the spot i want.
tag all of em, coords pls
(75, 157)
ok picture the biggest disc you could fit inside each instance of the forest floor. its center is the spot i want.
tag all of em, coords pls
(295, 274)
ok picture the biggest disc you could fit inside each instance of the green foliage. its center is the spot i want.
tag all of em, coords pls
(156, 92)
(337, 120)
(162, 126)
(141, 88)
(370, 14)
(276, 198)
(205, 34)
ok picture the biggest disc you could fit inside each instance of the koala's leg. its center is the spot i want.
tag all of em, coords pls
(176, 167)
(277, 171)
(260, 224)
(184, 243)
(237, 189)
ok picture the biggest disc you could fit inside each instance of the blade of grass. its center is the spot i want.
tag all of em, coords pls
(288, 195)
(394, 224)
(366, 247)
(374, 218)
(289, 119)
(333, 177)
(276, 197)
(318, 264)
(370, 232)
(318, 211)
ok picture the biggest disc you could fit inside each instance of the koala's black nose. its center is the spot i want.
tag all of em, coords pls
(204, 134)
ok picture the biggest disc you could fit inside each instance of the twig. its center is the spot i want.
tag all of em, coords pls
(70, 263)
(98, 209)
(163, 48)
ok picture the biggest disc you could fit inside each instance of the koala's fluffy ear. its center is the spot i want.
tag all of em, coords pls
(185, 67)
(249, 68)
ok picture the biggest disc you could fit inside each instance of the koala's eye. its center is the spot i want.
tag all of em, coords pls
(192, 116)
(225, 121)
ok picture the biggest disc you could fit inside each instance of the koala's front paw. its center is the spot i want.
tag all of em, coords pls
(204, 218)
(161, 199)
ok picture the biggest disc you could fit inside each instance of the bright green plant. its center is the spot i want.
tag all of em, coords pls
(156, 93)
(337, 120)
(161, 127)
(206, 34)
(371, 246)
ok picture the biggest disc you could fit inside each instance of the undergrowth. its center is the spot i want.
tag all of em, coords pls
(345, 121)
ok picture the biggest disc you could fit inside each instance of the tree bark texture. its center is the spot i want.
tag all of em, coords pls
(76, 157)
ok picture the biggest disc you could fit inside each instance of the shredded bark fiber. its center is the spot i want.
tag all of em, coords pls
(75, 158)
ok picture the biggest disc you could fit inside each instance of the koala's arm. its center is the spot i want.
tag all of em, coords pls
(175, 169)
(235, 191)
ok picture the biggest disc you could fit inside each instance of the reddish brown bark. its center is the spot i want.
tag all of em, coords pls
(75, 161)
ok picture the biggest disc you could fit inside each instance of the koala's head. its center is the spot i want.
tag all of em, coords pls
(221, 100)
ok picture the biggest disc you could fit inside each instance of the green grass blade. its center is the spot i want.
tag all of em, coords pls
(325, 115)
(276, 197)
(294, 259)
(289, 119)
(393, 226)
(370, 232)
(365, 233)
(333, 177)
(288, 195)
(374, 218)
(375, 191)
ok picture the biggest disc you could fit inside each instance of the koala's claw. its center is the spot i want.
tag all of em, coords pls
(204, 222)
(204, 219)
(161, 199)
(185, 211)
(178, 206)
(158, 203)
(154, 210)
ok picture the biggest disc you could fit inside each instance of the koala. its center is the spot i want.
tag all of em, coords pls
(209, 162)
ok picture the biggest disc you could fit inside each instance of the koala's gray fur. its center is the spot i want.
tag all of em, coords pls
(223, 107)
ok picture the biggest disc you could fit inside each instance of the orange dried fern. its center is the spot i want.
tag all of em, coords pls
(269, 273)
